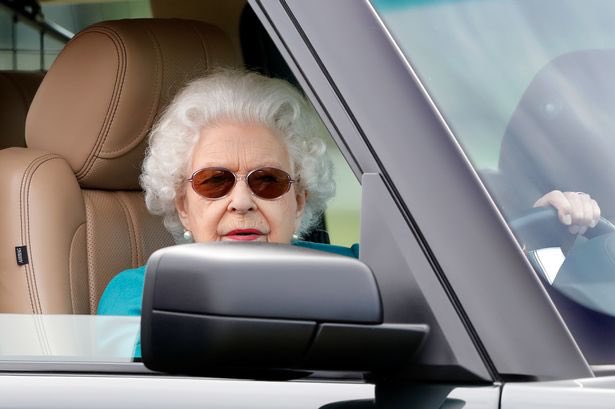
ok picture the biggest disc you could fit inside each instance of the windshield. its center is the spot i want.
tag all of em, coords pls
(526, 88)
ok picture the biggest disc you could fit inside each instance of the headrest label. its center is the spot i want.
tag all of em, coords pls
(21, 255)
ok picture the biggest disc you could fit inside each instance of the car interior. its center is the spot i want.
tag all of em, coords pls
(72, 196)
(72, 208)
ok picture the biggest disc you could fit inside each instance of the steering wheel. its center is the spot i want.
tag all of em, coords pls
(541, 228)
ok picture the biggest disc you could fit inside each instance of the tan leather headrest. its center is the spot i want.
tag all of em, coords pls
(17, 88)
(103, 93)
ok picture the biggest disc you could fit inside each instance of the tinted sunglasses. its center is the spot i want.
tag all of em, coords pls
(216, 183)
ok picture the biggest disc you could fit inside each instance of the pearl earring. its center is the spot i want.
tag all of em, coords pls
(295, 237)
(187, 235)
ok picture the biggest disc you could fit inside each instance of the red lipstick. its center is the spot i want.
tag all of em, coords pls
(244, 234)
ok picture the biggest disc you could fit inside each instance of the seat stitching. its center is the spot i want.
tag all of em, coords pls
(103, 133)
(24, 224)
(88, 228)
(70, 269)
(23, 228)
(24, 210)
(131, 230)
(155, 106)
(111, 110)
(203, 45)
(31, 264)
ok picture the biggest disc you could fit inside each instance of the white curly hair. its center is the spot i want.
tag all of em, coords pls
(243, 97)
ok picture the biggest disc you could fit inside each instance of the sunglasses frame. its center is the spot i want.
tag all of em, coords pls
(238, 178)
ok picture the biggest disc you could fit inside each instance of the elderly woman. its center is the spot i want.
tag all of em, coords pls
(236, 157)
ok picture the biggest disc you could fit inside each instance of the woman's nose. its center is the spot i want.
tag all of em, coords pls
(242, 200)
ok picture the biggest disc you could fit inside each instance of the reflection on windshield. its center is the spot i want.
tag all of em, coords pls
(81, 338)
(559, 136)
(528, 89)
(550, 260)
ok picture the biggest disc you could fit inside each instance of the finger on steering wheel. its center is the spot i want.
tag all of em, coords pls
(560, 202)
(588, 213)
(582, 212)
(591, 212)
(576, 210)
(596, 213)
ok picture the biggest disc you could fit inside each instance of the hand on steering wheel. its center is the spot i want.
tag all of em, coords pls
(542, 228)
(577, 210)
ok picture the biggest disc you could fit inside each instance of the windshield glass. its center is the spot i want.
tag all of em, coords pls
(527, 89)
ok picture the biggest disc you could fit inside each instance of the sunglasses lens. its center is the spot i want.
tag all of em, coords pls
(213, 183)
(269, 183)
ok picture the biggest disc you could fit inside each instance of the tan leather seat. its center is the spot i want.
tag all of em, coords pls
(71, 201)
(17, 88)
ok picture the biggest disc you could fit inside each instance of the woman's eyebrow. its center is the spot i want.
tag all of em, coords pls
(221, 164)
(270, 164)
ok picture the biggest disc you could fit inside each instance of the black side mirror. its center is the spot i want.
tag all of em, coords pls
(251, 309)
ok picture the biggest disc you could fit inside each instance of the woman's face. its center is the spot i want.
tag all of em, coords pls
(240, 216)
